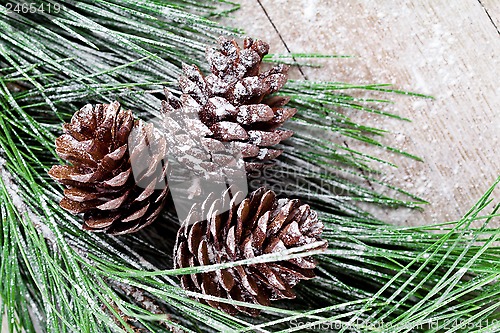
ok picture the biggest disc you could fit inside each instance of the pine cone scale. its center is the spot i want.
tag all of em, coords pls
(137, 214)
(93, 222)
(120, 179)
(80, 195)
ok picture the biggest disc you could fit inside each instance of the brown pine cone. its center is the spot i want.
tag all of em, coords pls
(233, 103)
(259, 225)
(100, 143)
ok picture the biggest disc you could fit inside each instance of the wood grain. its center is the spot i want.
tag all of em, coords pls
(492, 9)
(445, 49)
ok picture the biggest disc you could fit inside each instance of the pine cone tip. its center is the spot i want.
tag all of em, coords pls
(100, 182)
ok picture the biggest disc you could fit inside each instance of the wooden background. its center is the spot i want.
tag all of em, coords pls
(447, 49)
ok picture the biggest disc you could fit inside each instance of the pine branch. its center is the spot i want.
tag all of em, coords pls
(60, 279)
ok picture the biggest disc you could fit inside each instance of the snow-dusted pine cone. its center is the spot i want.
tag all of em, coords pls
(260, 224)
(232, 104)
(100, 143)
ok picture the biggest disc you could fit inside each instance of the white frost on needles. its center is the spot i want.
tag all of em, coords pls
(18, 202)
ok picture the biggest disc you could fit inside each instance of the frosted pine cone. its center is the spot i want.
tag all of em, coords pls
(233, 102)
(259, 225)
(100, 143)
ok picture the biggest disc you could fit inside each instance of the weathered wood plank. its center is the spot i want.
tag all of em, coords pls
(492, 8)
(446, 49)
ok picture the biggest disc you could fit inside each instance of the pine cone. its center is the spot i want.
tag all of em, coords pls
(233, 103)
(100, 143)
(259, 225)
